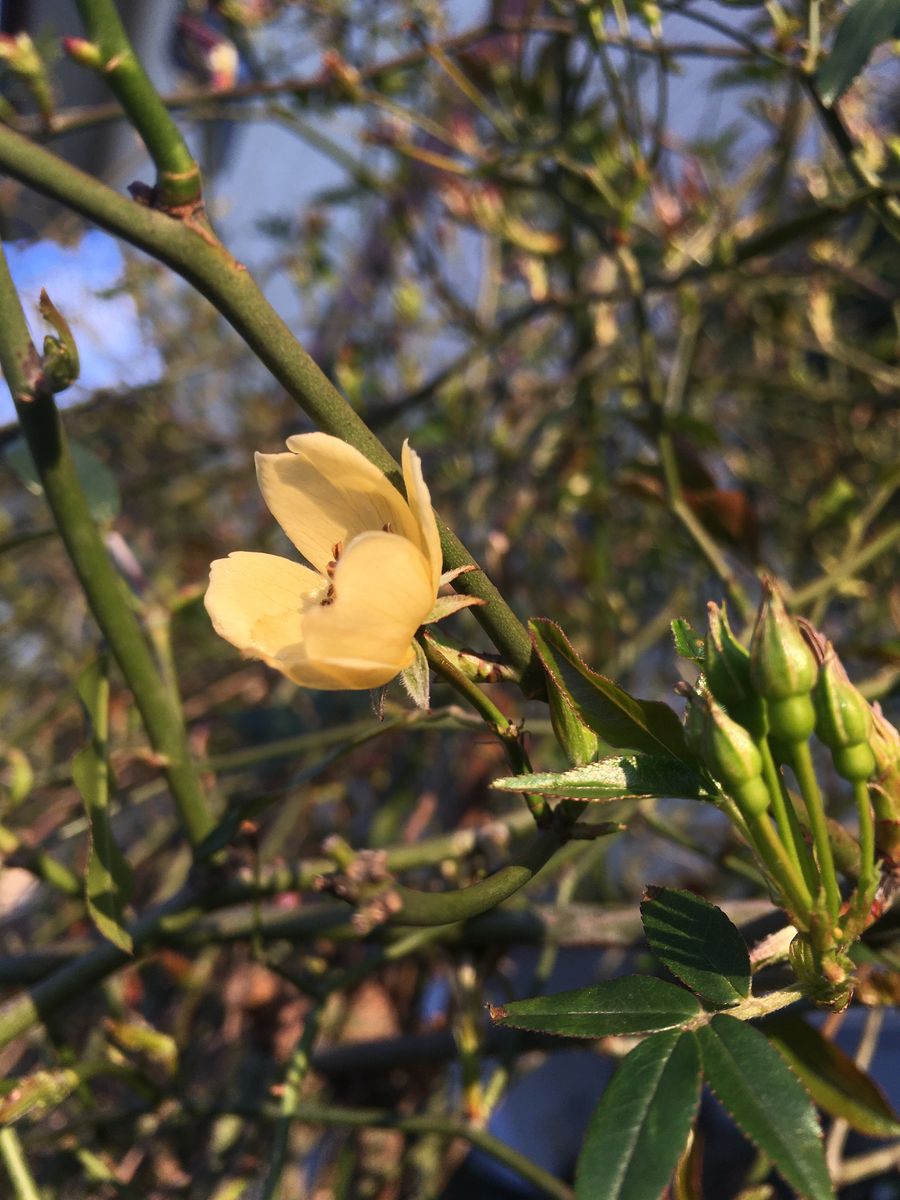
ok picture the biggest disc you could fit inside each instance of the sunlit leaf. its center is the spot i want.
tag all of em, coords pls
(622, 777)
(625, 722)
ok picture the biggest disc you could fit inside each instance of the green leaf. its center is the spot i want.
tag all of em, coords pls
(621, 777)
(831, 1077)
(578, 741)
(688, 642)
(641, 1124)
(630, 1004)
(698, 943)
(867, 24)
(766, 1100)
(98, 482)
(646, 726)
(108, 878)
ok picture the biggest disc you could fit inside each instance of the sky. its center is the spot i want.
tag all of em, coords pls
(274, 171)
(111, 344)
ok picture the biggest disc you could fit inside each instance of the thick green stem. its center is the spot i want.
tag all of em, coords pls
(443, 908)
(867, 874)
(801, 761)
(235, 294)
(177, 174)
(785, 875)
(106, 593)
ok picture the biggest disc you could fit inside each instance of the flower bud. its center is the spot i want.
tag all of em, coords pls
(727, 669)
(734, 760)
(783, 669)
(843, 721)
(885, 742)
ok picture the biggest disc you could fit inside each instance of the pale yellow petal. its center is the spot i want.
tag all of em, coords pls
(363, 638)
(419, 499)
(255, 601)
(324, 492)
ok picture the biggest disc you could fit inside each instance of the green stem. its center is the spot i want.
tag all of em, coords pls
(783, 873)
(443, 908)
(507, 731)
(16, 1165)
(867, 873)
(801, 761)
(786, 819)
(233, 292)
(298, 1069)
(177, 174)
(106, 593)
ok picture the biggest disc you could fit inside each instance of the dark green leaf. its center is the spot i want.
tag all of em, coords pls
(108, 878)
(865, 26)
(631, 1004)
(698, 943)
(764, 1097)
(688, 642)
(622, 777)
(100, 488)
(831, 1077)
(641, 1125)
(647, 726)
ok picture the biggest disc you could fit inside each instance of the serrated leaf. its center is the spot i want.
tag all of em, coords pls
(867, 24)
(624, 721)
(688, 642)
(97, 481)
(767, 1101)
(630, 1004)
(698, 943)
(620, 777)
(579, 743)
(832, 1078)
(640, 1127)
(108, 878)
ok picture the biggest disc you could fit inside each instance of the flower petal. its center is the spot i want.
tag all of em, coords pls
(363, 638)
(325, 491)
(255, 601)
(419, 499)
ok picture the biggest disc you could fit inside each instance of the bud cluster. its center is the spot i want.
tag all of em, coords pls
(752, 712)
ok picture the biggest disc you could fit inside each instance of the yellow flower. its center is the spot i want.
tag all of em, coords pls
(349, 622)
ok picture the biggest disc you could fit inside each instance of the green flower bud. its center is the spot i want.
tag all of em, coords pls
(732, 757)
(792, 719)
(843, 717)
(885, 742)
(781, 663)
(855, 763)
(727, 669)
(843, 721)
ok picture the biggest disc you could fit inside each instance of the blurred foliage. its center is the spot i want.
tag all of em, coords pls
(634, 303)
